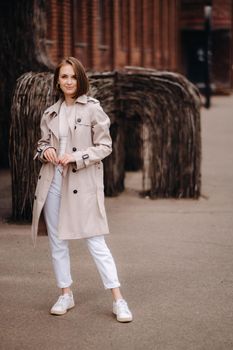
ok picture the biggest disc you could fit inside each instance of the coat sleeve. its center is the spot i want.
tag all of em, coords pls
(44, 143)
(102, 142)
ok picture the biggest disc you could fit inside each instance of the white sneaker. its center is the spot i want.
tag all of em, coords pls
(64, 303)
(121, 310)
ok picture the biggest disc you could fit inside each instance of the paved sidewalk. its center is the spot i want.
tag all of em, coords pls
(175, 262)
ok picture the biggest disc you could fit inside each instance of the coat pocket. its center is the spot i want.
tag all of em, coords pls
(83, 134)
(82, 120)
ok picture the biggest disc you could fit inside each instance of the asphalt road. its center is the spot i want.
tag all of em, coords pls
(174, 258)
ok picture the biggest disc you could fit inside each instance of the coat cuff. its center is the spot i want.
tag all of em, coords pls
(81, 159)
(45, 149)
(40, 153)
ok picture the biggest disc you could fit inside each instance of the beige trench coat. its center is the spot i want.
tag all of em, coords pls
(82, 210)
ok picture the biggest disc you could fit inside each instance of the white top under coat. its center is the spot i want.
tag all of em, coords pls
(64, 113)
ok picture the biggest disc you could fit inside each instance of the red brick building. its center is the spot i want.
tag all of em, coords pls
(108, 34)
(161, 34)
(192, 38)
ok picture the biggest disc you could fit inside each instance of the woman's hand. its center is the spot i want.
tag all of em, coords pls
(66, 159)
(51, 156)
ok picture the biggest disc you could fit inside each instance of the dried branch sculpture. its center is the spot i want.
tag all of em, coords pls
(165, 108)
(33, 94)
(168, 107)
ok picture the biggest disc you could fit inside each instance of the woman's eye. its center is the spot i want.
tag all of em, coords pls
(66, 77)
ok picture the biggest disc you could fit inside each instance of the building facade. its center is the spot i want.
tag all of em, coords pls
(193, 37)
(162, 34)
(109, 34)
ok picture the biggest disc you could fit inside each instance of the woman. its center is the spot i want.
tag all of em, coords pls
(74, 139)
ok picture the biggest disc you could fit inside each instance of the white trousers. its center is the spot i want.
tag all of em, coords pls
(60, 248)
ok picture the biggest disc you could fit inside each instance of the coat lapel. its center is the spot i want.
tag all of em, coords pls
(53, 122)
(54, 111)
(53, 126)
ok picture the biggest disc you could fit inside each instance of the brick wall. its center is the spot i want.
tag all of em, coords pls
(59, 28)
(192, 20)
(222, 14)
(192, 14)
(109, 34)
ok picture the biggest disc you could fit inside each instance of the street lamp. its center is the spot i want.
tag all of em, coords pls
(207, 53)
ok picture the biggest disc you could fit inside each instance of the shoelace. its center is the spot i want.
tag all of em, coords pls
(123, 306)
(61, 299)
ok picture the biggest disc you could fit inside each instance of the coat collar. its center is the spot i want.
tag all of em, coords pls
(82, 99)
(54, 110)
(56, 106)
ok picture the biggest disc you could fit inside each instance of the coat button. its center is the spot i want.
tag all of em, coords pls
(39, 177)
(75, 127)
(75, 191)
(74, 170)
(79, 120)
(74, 149)
(35, 197)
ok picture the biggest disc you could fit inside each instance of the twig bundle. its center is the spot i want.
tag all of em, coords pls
(169, 108)
(33, 94)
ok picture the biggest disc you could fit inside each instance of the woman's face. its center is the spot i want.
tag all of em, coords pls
(67, 80)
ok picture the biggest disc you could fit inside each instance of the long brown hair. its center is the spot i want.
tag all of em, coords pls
(80, 74)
